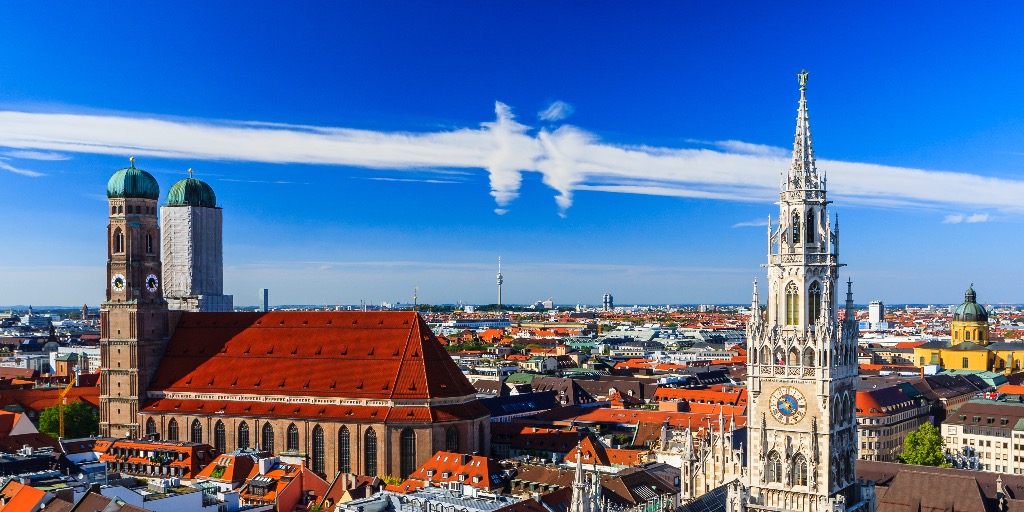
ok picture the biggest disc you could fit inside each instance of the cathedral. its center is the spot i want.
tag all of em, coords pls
(355, 392)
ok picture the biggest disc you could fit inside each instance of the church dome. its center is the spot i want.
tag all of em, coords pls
(133, 183)
(970, 310)
(191, 192)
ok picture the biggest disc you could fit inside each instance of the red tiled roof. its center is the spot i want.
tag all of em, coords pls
(476, 471)
(20, 497)
(882, 402)
(309, 353)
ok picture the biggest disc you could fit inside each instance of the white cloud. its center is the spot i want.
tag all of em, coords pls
(752, 224)
(36, 155)
(24, 172)
(556, 111)
(957, 218)
(569, 159)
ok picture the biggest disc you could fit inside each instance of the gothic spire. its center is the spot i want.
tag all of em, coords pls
(803, 174)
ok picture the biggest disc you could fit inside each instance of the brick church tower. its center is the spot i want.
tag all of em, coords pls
(134, 316)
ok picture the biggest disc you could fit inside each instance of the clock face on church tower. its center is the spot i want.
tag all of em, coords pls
(788, 405)
(118, 282)
(152, 283)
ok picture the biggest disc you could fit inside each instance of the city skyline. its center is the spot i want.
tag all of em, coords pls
(349, 187)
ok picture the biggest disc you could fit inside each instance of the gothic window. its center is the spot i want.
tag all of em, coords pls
(796, 228)
(292, 444)
(407, 452)
(808, 356)
(370, 453)
(220, 437)
(753, 356)
(120, 209)
(774, 467)
(766, 357)
(267, 438)
(799, 470)
(344, 451)
(243, 436)
(780, 356)
(792, 304)
(451, 439)
(172, 430)
(150, 426)
(810, 227)
(318, 450)
(814, 302)
(149, 243)
(794, 357)
(118, 241)
(197, 432)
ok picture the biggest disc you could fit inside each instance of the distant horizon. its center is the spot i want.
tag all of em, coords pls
(400, 306)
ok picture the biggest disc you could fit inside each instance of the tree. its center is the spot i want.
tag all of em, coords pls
(80, 420)
(923, 447)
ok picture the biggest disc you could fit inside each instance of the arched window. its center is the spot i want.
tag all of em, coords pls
(780, 356)
(172, 430)
(792, 304)
(808, 356)
(810, 227)
(267, 438)
(243, 436)
(370, 453)
(113, 210)
(407, 452)
(794, 357)
(799, 470)
(814, 302)
(197, 432)
(796, 228)
(149, 243)
(220, 441)
(766, 355)
(118, 241)
(292, 444)
(318, 450)
(344, 451)
(451, 439)
(774, 467)
(150, 426)
(481, 440)
(120, 209)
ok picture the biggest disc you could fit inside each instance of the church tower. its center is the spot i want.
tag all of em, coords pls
(134, 323)
(802, 367)
(193, 248)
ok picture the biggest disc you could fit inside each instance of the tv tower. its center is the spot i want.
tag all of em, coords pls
(500, 280)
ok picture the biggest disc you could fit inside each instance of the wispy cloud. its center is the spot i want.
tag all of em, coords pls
(36, 155)
(556, 111)
(24, 172)
(957, 218)
(752, 224)
(413, 180)
(568, 158)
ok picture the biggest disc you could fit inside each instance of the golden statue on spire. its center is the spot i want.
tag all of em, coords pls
(803, 78)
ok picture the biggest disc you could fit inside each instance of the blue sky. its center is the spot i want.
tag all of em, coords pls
(359, 150)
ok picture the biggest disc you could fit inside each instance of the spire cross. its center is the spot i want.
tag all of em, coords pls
(189, 172)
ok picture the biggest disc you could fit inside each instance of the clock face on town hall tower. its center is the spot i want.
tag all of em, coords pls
(788, 405)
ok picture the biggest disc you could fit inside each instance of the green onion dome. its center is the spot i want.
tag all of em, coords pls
(133, 183)
(970, 310)
(191, 192)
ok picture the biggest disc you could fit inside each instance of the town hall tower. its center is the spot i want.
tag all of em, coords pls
(802, 364)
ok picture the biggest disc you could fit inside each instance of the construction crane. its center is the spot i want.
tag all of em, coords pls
(61, 399)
